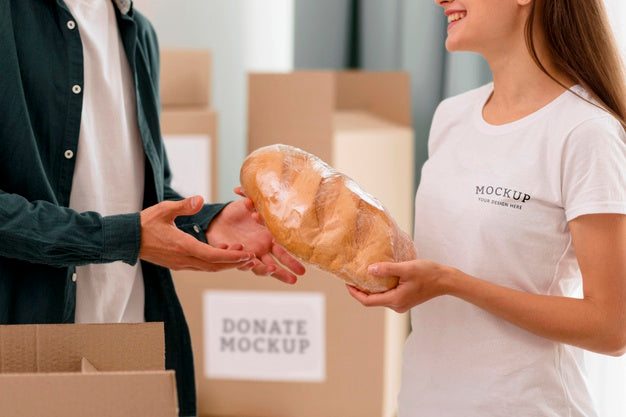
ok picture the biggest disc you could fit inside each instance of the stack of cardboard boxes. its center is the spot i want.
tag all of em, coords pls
(266, 349)
(188, 122)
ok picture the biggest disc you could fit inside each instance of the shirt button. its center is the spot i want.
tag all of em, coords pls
(71, 24)
(74, 277)
(196, 228)
(69, 154)
(76, 89)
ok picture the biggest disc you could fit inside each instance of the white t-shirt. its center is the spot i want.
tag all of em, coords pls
(109, 172)
(494, 202)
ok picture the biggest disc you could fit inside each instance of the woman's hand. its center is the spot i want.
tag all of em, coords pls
(420, 280)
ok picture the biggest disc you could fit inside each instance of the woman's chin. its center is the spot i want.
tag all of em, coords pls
(452, 45)
(455, 45)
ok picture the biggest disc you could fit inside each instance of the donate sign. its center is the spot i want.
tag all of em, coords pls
(265, 336)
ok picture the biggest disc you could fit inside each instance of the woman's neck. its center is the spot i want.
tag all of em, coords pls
(520, 86)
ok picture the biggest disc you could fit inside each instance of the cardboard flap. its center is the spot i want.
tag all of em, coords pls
(108, 394)
(61, 347)
(357, 120)
(86, 367)
(385, 94)
(18, 352)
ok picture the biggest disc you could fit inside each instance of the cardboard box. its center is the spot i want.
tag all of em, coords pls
(298, 108)
(188, 123)
(190, 136)
(185, 78)
(96, 370)
(330, 356)
(353, 349)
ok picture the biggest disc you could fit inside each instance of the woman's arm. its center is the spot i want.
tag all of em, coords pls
(597, 322)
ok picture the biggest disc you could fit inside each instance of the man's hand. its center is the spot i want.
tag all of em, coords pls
(239, 223)
(162, 243)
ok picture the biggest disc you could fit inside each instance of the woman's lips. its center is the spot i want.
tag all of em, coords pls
(454, 16)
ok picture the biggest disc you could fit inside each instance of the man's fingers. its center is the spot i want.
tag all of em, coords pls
(240, 191)
(268, 266)
(186, 207)
(215, 267)
(236, 246)
(262, 269)
(285, 276)
(249, 205)
(211, 254)
(279, 273)
(248, 265)
(287, 259)
(257, 218)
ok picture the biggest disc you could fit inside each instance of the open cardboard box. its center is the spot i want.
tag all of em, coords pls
(78, 370)
(360, 123)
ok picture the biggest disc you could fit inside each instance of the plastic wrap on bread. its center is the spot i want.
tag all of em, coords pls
(323, 217)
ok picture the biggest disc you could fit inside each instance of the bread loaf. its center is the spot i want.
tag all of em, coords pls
(323, 217)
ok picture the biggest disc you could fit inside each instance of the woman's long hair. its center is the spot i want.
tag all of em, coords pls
(582, 45)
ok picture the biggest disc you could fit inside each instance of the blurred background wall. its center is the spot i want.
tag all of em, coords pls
(281, 35)
(242, 35)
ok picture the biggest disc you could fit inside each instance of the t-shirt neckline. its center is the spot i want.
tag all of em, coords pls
(489, 128)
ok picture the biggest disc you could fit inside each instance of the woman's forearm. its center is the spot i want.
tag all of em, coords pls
(598, 325)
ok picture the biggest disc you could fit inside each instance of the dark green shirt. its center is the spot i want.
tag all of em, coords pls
(41, 239)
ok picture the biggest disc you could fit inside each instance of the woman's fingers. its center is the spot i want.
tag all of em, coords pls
(384, 299)
(387, 269)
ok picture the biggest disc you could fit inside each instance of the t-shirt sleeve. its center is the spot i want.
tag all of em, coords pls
(594, 169)
(435, 128)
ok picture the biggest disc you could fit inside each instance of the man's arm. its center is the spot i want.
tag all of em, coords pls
(44, 233)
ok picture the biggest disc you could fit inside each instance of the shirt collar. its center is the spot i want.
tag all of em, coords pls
(124, 5)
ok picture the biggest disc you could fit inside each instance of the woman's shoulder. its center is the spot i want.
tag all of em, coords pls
(581, 113)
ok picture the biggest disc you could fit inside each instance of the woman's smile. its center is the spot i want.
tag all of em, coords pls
(454, 16)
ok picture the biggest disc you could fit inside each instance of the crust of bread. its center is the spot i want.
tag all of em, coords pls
(323, 217)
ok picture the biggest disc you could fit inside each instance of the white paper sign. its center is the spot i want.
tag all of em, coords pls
(190, 162)
(265, 336)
